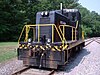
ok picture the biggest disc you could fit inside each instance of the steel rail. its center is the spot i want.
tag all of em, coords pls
(52, 72)
(21, 70)
(93, 39)
(89, 43)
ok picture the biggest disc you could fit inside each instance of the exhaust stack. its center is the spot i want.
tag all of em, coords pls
(61, 8)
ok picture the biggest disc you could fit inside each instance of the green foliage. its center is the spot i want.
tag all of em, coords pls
(90, 22)
(14, 14)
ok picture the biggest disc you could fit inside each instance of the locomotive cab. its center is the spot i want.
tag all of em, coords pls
(70, 17)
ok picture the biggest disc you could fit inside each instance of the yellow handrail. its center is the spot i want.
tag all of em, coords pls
(62, 33)
(52, 33)
(21, 34)
(27, 31)
(67, 26)
(38, 25)
(83, 35)
(58, 32)
(72, 29)
(41, 25)
(76, 24)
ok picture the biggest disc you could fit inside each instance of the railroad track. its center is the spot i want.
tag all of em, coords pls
(20, 70)
(33, 71)
(91, 40)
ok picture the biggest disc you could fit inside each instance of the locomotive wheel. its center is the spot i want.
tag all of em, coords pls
(77, 49)
(61, 67)
(80, 47)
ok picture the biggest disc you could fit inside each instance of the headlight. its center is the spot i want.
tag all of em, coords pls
(42, 13)
(46, 13)
(48, 40)
(29, 40)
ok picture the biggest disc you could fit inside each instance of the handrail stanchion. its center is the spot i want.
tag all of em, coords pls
(58, 33)
(75, 33)
(72, 33)
(26, 34)
(38, 33)
(62, 32)
(82, 35)
(21, 34)
(52, 33)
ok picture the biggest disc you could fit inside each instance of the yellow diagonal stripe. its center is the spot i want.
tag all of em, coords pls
(57, 48)
(64, 47)
(53, 49)
(42, 48)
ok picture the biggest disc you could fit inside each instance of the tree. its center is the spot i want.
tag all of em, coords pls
(90, 22)
(14, 14)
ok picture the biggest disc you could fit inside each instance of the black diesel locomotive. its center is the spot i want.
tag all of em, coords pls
(52, 40)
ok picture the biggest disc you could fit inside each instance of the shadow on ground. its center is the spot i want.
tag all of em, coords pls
(76, 59)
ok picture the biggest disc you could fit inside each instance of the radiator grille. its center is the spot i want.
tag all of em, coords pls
(45, 20)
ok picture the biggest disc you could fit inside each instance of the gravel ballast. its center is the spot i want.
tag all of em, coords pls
(9, 67)
(87, 62)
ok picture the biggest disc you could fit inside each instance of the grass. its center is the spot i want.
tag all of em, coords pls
(7, 50)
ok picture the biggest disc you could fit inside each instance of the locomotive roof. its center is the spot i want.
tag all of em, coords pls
(64, 10)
